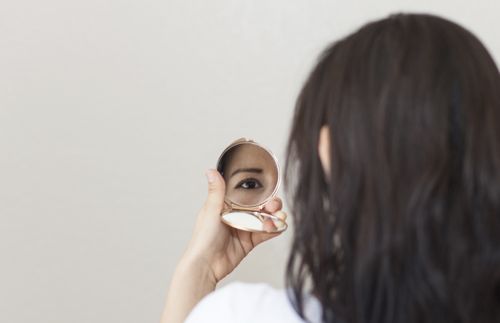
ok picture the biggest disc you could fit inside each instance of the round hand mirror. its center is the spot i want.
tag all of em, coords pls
(252, 176)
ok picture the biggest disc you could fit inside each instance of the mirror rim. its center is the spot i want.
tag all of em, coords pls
(243, 141)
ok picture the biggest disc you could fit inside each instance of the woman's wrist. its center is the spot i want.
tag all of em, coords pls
(196, 266)
(193, 279)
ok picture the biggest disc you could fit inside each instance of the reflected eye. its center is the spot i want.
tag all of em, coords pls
(249, 184)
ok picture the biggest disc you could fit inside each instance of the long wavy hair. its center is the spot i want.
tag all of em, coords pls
(406, 225)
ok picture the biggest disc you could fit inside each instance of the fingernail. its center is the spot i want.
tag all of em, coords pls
(210, 176)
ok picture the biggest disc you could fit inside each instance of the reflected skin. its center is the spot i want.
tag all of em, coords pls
(250, 174)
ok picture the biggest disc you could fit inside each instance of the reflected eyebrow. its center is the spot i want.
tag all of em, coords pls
(247, 170)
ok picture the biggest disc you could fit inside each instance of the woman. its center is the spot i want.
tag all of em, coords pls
(394, 171)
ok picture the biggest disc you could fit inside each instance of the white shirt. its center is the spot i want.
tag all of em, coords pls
(244, 302)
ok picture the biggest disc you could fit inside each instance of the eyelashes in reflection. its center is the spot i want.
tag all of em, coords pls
(249, 184)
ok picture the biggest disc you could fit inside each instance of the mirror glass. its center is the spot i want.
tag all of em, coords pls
(247, 221)
(250, 173)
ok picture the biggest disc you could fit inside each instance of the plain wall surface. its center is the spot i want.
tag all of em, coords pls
(110, 112)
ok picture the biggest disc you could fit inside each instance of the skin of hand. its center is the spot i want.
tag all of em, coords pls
(214, 251)
(219, 246)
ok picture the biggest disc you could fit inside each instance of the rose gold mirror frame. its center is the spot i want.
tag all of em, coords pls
(256, 209)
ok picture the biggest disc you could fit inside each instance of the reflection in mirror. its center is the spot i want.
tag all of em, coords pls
(250, 173)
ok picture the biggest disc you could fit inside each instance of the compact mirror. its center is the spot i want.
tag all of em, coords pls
(252, 177)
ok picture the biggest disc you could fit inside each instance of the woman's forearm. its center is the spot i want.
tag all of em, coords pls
(192, 280)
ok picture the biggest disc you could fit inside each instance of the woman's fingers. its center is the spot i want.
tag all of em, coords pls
(269, 226)
(273, 205)
(216, 191)
(280, 214)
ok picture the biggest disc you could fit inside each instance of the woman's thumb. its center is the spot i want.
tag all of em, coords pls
(216, 192)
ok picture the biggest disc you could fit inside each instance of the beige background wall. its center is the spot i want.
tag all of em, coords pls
(110, 112)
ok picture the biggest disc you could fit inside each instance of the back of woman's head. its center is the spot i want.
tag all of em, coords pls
(405, 227)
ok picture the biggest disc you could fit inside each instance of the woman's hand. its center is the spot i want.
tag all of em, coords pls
(215, 244)
(214, 251)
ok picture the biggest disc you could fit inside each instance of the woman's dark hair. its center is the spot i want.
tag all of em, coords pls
(406, 225)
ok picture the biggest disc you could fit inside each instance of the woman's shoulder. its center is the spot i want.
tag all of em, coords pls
(246, 302)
